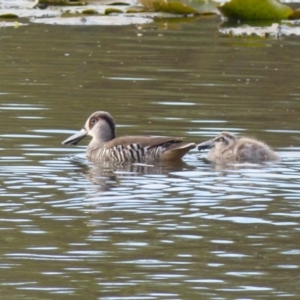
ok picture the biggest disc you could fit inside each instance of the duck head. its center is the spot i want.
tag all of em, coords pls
(100, 126)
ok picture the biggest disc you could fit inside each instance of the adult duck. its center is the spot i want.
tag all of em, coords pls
(106, 147)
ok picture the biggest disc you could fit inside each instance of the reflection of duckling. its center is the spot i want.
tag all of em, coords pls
(227, 148)
(105, 146)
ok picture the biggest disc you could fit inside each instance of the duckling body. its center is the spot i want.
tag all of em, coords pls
(106, 147)
(228, 148)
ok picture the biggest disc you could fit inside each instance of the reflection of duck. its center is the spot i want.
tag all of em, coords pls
(107, 176)
(113, 173)
(227, 148)
(105, 146)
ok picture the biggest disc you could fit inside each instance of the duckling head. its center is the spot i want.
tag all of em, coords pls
(221, 141)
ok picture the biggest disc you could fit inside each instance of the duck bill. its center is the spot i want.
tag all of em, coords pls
(206, 145)
(75, 138)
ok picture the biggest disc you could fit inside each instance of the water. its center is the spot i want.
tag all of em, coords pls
(73, 229)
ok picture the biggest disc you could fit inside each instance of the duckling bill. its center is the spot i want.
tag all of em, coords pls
(228, 148)
(105, 146)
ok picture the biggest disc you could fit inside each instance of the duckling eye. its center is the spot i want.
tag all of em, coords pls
(220, 139)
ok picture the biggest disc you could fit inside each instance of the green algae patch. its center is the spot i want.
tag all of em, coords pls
(8, 15)
(255, 10)
(112, 10)
(181, 6)
(89, 11)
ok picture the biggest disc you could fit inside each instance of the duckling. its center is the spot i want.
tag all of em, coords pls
(106, 147)
(228, 148)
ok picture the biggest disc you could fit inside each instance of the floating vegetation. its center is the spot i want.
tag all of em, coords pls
(275, 30)
(63, 2)
(9, 13)
(125, 12)
(94, 20)
(181, 6)
(255, 10)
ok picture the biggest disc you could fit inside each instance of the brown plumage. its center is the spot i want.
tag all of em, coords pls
(105, 146)
(228, 148)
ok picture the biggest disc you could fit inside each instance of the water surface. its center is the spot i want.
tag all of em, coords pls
(74, 229)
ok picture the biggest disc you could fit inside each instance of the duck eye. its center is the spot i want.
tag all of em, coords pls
(93, 121)
(220, 139)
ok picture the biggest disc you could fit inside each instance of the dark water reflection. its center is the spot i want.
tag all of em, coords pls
(73, 229)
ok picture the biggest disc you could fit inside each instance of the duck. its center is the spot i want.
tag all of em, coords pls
(105, 146)
(228, 148)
